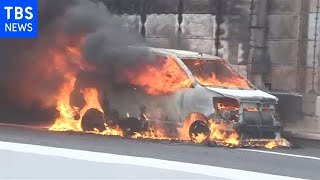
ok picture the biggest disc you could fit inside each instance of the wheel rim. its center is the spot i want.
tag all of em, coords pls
(199, 132)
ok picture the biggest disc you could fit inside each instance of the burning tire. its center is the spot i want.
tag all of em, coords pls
(93, 119)
(199, 131)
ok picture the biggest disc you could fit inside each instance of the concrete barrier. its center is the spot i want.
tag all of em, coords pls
(300, 115)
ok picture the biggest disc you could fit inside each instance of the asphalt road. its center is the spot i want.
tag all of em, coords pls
(300, 162)
(35, 166)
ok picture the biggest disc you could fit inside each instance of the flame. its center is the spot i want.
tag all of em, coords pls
(233, 82)
(151, 133)
(66, 120)
(278, 143)
(199, 138)
(233, 139)
(60, 58)
(206, 73)
(90, 95)
(184, 129)
(154, 131)
(161, 77)
(108, 131)
(271, 145)
(252, 109)
(228, 106)
(218, 133)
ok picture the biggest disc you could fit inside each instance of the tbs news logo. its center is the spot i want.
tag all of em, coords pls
(18, 18)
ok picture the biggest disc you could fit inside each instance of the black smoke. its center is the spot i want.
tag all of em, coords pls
(26, 88)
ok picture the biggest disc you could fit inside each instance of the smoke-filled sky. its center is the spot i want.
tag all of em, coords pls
(28, 82)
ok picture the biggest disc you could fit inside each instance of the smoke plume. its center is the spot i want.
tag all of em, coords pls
(28, 83)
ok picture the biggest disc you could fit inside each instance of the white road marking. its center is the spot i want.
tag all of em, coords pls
(212, 171)
(24, 126)
(282, 154)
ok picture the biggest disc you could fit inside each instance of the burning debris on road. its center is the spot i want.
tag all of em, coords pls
(103, 80)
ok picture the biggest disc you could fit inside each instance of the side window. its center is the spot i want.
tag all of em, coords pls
(161, 75)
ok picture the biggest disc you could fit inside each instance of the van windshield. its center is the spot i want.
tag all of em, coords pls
(216, 73)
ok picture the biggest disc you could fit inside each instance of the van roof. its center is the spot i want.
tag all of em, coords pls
(183, 54)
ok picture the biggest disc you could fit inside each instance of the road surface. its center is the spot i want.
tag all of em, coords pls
(58, 155)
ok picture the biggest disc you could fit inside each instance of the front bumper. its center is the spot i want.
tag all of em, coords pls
(258, 131)
(258, 124)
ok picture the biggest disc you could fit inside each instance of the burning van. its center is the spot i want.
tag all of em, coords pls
(175, 94)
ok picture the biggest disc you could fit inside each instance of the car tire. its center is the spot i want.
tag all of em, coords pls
(93, 119)
(198, 127)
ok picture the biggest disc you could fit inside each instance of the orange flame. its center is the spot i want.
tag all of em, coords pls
(152, 133)
(91, 97)
(108, 131)
(66, 120)
(216, 130)
(233, 82)
(162, 77)
(233, 139)
(271, 145)
(227, 107)
(251, 109)
(228, 78)
(218, 133)
(184, 129)
(199, 138)
(277, 143)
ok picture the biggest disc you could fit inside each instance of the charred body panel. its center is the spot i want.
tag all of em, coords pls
(252, 116)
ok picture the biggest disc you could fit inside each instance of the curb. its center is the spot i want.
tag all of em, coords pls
(302, 134)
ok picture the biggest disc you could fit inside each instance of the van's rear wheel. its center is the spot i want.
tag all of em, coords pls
(93, 119)
(199, 132)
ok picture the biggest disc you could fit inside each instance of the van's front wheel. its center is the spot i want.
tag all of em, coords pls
(199, 132)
